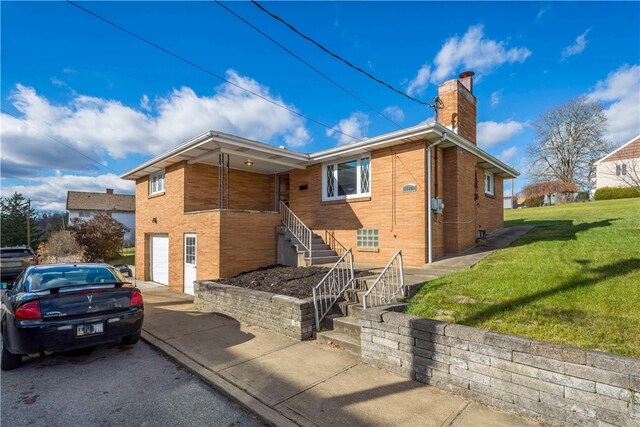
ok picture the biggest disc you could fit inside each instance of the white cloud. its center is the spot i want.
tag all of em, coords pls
(352, 129)
(577, 47)
(102, 127)
(493, 133)
(496, 97)
(508, 154)
(540, 14)
(419, 84)
(50, 193)
(471, 52)
(145, 104)
(620, 92)
(394, 112)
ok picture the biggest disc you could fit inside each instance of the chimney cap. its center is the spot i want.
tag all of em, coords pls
(466, 74)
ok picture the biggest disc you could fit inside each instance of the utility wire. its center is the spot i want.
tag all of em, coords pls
(60, 142)
(175, 55)
(338, 57)
(305, 62)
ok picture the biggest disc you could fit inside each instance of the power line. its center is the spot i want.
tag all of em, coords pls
(59, 142)
(305, 62)
(338, 57)
(175, 55)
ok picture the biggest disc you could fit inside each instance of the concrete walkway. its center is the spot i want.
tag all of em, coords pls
(288, 382)
(415, 276)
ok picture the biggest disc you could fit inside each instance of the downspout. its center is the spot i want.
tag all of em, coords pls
(429, 213)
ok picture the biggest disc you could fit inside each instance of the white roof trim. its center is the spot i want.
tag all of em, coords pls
(617, 149)
(430, 131)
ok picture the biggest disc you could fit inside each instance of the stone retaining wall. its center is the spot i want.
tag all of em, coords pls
(286, 315)
(558, 384)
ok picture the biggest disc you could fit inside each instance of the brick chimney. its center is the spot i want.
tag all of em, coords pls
(459, 106)
(109, 190)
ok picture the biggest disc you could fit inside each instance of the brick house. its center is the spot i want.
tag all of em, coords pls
(621, 167)
(213, 202)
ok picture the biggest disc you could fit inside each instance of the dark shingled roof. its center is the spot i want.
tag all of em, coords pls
(86, 201)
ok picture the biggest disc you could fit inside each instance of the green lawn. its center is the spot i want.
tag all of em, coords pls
(128, 257)
(574, 279)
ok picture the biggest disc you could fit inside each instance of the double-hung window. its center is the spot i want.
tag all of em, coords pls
(156, 183)
(488, 183)
(347, 179)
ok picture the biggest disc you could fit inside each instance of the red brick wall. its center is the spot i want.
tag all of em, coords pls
(459, 110)
(248, 238)
(399, 217)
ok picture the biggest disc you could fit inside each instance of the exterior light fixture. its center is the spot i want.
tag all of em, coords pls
(248, 163)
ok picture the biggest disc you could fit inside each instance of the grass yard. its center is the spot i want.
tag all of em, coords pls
(128, 257)
(574, 279)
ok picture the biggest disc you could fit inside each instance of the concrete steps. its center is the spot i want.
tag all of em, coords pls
(341, 340)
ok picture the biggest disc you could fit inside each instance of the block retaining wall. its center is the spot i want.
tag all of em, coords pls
(556, 384)
(283, 314)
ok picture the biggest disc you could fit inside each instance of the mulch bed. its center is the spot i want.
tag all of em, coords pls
(292, 281)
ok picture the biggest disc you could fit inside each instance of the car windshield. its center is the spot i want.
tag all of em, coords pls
(15, 253)
(64, 276)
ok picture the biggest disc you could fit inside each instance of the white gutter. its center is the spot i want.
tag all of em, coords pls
(429, 212)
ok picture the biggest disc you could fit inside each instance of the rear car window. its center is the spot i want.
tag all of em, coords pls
(53, 278)
(15, 253)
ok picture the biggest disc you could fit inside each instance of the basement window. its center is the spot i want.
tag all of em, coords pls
(367, 238)
(347, 179)
(156, 183)
(489, 183)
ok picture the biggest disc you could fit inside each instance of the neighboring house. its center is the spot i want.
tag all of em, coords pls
(122, 207)
(209, 208)
(621, 167)
(510, 202)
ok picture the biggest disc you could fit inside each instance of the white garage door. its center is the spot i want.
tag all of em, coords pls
(160, 259)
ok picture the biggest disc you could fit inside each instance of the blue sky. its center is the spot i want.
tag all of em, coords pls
(119, 101)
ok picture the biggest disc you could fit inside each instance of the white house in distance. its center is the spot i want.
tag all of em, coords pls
(122, 207)
(616, 168)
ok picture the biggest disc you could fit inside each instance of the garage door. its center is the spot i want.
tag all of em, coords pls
(160, 259)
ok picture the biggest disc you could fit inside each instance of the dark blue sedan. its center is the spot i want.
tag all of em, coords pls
(61, 307)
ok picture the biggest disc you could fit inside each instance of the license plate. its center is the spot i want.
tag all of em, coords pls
(89, 329)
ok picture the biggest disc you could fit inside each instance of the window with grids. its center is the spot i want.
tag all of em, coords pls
(156, 183)
(85, 214)
(347, 179)
(488, 183)
(621, 169)
(190, 250)
(367, 238)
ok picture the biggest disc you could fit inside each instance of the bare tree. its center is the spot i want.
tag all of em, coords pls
(569, 139)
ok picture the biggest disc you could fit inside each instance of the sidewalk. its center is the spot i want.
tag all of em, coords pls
(288, 382)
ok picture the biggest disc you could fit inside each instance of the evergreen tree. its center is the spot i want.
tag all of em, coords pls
(13, 222)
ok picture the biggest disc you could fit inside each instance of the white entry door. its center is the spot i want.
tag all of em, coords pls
(190, 257)
(160, 259)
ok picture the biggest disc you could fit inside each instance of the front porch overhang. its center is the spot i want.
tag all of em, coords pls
(243, 154)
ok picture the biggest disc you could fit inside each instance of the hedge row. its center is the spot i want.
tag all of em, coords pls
(609, 193)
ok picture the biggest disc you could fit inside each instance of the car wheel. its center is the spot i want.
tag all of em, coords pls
(131, 339)
(9, 360)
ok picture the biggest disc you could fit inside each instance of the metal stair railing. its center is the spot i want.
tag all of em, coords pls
(296, 227)
(334, 244)
(332, 286)
(387, 285)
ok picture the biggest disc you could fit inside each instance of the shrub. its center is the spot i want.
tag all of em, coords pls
(534, 202)
(101, 237)
(60, 247)
(610, 193)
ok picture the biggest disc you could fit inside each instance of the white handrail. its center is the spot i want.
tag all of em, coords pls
(388, 283)
(296, 227)
(332, 286)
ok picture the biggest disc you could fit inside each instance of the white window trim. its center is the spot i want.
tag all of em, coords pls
(157, 174)
(335, 179)
(492, 178)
